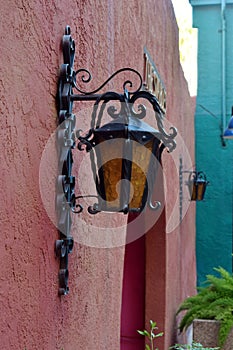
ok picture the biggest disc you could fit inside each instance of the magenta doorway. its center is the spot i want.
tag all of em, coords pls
(133, 295)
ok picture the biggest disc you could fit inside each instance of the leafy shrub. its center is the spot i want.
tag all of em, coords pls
(213, 302)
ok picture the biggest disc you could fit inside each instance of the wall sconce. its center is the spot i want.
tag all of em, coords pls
(197, 184)
(228, 133)
(124, 153)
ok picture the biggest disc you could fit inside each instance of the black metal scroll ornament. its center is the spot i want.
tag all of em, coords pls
(69, 81)
(65, 200)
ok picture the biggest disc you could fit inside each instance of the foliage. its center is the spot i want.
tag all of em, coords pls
(213, 302)
(193, 346)
(151, 335)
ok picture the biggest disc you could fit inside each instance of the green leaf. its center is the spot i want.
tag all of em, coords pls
(141, 332)
(159, 335)
(147, 347)
(145, 333)
(152, 324)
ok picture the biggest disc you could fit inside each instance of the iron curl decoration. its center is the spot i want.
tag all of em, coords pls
(166, 138)
(112, 111)
(85, 141)
(141, 111)
(155, 205)
(89, 77)
(91, 209)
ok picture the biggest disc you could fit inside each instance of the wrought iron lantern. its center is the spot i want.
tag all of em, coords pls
(197, 185)
(125, 152)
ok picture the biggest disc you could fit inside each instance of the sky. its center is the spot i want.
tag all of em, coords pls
(182, 7)
(188, 42)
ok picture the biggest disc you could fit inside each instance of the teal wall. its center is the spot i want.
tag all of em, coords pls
(214, 215)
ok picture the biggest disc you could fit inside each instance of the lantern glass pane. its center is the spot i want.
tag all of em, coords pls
(112, 176)
(197, 190)
(111, 163)
(200, 191)
(123, 162)
(141, 160)
(193, 190)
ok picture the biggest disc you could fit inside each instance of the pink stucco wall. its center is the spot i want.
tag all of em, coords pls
(109, 35)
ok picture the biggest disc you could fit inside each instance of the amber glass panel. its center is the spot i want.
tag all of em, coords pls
(111, 161)
(141, 160)
(112, 176)
(200, 191)
(192, 190)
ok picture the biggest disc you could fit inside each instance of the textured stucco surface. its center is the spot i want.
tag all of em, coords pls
(109, 35)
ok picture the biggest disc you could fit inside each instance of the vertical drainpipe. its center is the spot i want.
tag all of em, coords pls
(223, 31)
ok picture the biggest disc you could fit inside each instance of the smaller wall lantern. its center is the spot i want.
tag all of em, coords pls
(197, 184)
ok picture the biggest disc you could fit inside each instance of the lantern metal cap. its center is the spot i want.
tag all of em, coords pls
(137, 129)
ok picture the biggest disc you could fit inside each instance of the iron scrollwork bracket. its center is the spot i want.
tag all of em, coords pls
(65, 198)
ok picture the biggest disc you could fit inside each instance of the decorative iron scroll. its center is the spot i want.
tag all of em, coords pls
(89, 77)
(127, 109)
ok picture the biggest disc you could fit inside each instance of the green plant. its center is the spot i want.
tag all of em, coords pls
(193, 346)
(213, 302)
(151, 335)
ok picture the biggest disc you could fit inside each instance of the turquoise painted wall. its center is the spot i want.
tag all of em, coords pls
(213, 156)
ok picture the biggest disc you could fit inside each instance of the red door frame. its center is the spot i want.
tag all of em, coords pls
(133, 294)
